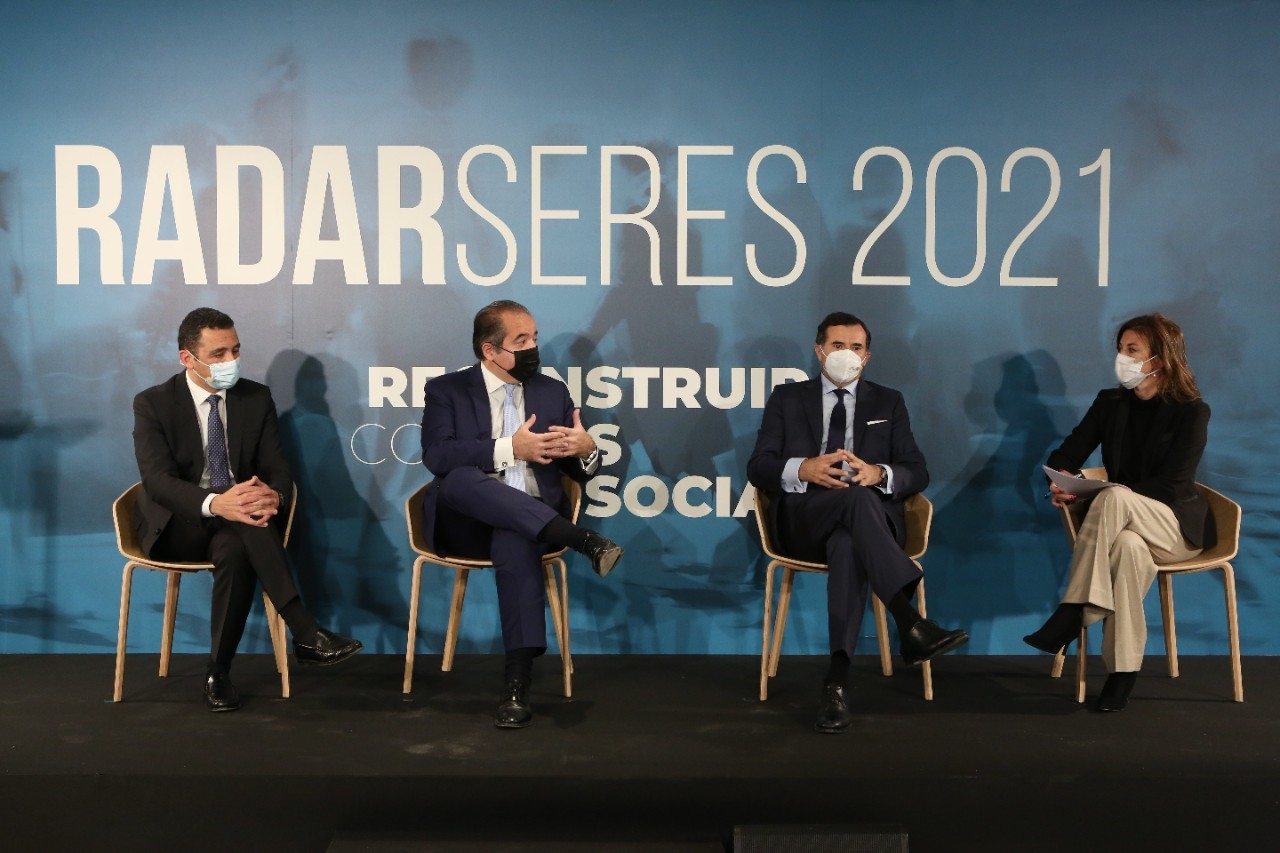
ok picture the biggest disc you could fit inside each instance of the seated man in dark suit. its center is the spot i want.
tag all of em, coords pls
(213, 478)
(497, 436)
(837, 455)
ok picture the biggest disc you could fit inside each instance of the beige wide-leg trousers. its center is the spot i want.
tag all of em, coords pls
(1123, 536)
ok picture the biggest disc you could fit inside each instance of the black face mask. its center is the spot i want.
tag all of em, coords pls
(527, 363)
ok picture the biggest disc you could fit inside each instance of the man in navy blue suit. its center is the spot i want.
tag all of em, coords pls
(837, 456)
(497, 436)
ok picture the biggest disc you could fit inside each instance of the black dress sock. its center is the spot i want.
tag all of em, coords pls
(904, 613)
(519, 664)
(300, 621)
(560, 532)
(838, 669)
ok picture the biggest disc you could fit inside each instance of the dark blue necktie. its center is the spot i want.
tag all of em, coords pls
(219, 473)
(835, 430)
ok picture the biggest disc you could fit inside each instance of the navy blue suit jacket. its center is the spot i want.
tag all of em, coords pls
(457, 431)
(792, 427)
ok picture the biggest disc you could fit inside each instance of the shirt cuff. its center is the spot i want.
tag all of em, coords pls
(206, 508)
(791, 476)
(504, 455)
(887, 485)
(591, 464)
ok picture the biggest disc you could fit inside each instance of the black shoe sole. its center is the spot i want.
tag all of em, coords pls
(938, 652)
(309, 662)
(504, 724)
(607, 561)
(221, 709)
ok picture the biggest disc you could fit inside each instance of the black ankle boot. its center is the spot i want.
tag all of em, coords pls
(1115, 691)
(1063, 627)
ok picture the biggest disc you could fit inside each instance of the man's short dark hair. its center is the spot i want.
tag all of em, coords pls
(201, 318)
(489, 327)
(840, 318)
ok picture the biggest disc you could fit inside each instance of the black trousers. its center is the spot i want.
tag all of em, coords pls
(848, 530)
(242, 556)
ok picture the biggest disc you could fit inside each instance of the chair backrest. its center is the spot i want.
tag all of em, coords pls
(762, 525)
(124, 514)
(919, 514)
(919, 519)
(1226, 515)
(413, 512)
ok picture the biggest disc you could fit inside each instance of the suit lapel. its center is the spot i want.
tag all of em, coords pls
(861, 408)
(812, 402)
(480, 403)
(235, 430)
(185, 421)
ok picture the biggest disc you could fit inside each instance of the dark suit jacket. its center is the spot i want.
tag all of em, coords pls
(1170, 455)
(792, 426)
(171, 457)
(457, 430)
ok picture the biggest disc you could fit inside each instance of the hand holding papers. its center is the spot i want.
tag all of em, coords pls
(1075, 485)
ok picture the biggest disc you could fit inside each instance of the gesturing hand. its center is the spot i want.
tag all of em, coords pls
(571, 440)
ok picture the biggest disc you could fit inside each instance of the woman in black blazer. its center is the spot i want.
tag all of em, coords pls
(1152, 430)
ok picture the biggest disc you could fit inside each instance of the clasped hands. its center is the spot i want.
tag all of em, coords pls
(251, 502)
(558, 442)
(826, 470)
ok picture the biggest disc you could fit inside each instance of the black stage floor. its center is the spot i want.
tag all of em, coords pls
(654, 754)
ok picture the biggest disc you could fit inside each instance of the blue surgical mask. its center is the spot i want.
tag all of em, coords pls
(222, 374)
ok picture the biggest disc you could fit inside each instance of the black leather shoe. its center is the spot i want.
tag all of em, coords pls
(219, 693)
(603, 551)
(1115, 691)
(927, 639)
(514, 711)
(833, 714)
(327, 648)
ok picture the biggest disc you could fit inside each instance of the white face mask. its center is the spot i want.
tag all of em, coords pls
(842, 366)
(1129, 370)
(222, 374)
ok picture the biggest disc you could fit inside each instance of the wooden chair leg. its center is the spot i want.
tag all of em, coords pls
(415, 589)
(557, 600)
(170, 618)
(275, 628)
(926, 668)
(1170, 632)
(1082, 652)
(564, 597)
(455, 618)
(780, 620)
(765, 644)
(882, 635)
(1233, 630)
(122, 632)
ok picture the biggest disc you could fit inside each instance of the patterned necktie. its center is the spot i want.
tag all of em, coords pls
(835, 432)
(219, 473)
(510, 423)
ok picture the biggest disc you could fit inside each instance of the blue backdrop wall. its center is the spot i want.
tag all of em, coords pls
(679, 191)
